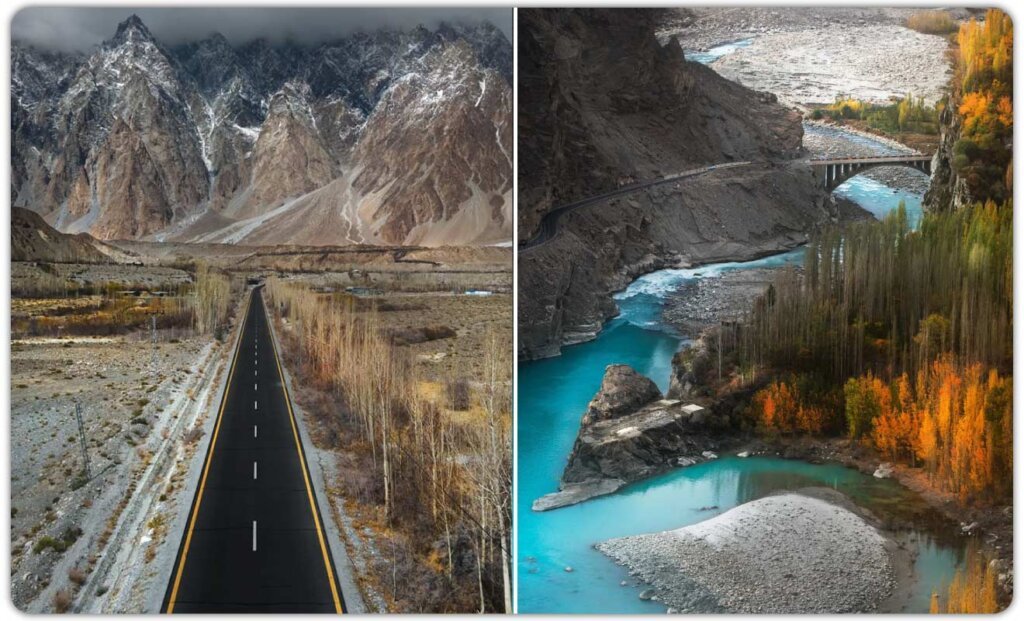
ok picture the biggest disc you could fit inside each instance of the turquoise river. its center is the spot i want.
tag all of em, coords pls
(553, 394)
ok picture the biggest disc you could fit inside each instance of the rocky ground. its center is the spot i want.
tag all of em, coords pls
(69, 530)
(707, 301)
(993, 526)
(813, 54)
(790, 553)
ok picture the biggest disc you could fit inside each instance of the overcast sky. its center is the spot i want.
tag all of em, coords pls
(80, 28)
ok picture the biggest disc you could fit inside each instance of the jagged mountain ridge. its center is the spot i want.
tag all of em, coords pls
(275, 143)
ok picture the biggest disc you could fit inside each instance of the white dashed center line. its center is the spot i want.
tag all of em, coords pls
(253, 471)
(254, 535)
(255, 432)
(255, 405)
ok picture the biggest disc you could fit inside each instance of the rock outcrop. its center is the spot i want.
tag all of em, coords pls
(630, 432)
(947, 190)
(388, 137)
(623, 390)
(602, 104)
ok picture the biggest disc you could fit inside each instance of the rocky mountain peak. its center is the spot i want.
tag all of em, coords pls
(131, 30)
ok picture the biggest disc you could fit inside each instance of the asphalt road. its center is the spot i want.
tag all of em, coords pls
(254, 540)
(549, 224)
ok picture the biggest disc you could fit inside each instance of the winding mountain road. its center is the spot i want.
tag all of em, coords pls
(255, 539)
(549, 224)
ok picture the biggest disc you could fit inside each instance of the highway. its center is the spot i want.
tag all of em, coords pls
(254, 541)
(549, 224)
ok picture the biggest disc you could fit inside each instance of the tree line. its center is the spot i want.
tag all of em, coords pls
(898, 338)
(908, 114)
(433, 479)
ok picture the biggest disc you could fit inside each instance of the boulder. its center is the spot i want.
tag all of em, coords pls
(623, 391)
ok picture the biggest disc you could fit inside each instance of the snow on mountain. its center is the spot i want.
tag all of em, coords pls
(388, 136)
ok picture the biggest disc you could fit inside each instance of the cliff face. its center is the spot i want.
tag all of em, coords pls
(601, 103)
(947, 189)
(388, 137)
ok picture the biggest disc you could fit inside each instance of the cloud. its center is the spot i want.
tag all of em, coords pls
(81, 28)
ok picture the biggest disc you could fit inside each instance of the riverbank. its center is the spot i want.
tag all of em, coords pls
(812, 551)
(990, 526)
(567, 284)
(703, 302)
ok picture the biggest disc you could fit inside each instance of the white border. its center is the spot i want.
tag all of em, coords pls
(11, 8)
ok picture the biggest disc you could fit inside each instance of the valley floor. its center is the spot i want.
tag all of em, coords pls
(100, 542)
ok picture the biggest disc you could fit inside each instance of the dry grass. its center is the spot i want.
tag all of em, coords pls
(932, 22)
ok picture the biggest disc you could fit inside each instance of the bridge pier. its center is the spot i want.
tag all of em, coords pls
(833, 172)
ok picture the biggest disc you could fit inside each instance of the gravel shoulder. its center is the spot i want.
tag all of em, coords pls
(806, 552)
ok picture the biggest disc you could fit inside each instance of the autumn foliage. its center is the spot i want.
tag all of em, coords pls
(900, 339)
(982, 155)
(791, 406)
(973, 589)
(956, 422)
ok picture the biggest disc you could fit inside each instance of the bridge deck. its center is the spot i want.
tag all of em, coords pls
(910, 157)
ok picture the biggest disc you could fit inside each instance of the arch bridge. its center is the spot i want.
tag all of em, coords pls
(832, 172)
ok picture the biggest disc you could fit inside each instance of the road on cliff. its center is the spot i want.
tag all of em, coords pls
(549, 224)
(254, 541)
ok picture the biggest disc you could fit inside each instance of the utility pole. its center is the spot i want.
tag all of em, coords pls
(81, 439)
(152, 338)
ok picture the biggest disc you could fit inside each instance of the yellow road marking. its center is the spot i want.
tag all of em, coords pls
(209, 458)
(305, 477)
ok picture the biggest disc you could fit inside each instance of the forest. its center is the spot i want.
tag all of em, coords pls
(901, 339)
(441, 485)
(983, 90)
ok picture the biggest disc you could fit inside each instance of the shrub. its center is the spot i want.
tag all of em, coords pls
(458, 394)
(76, 576)
(61, 600)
